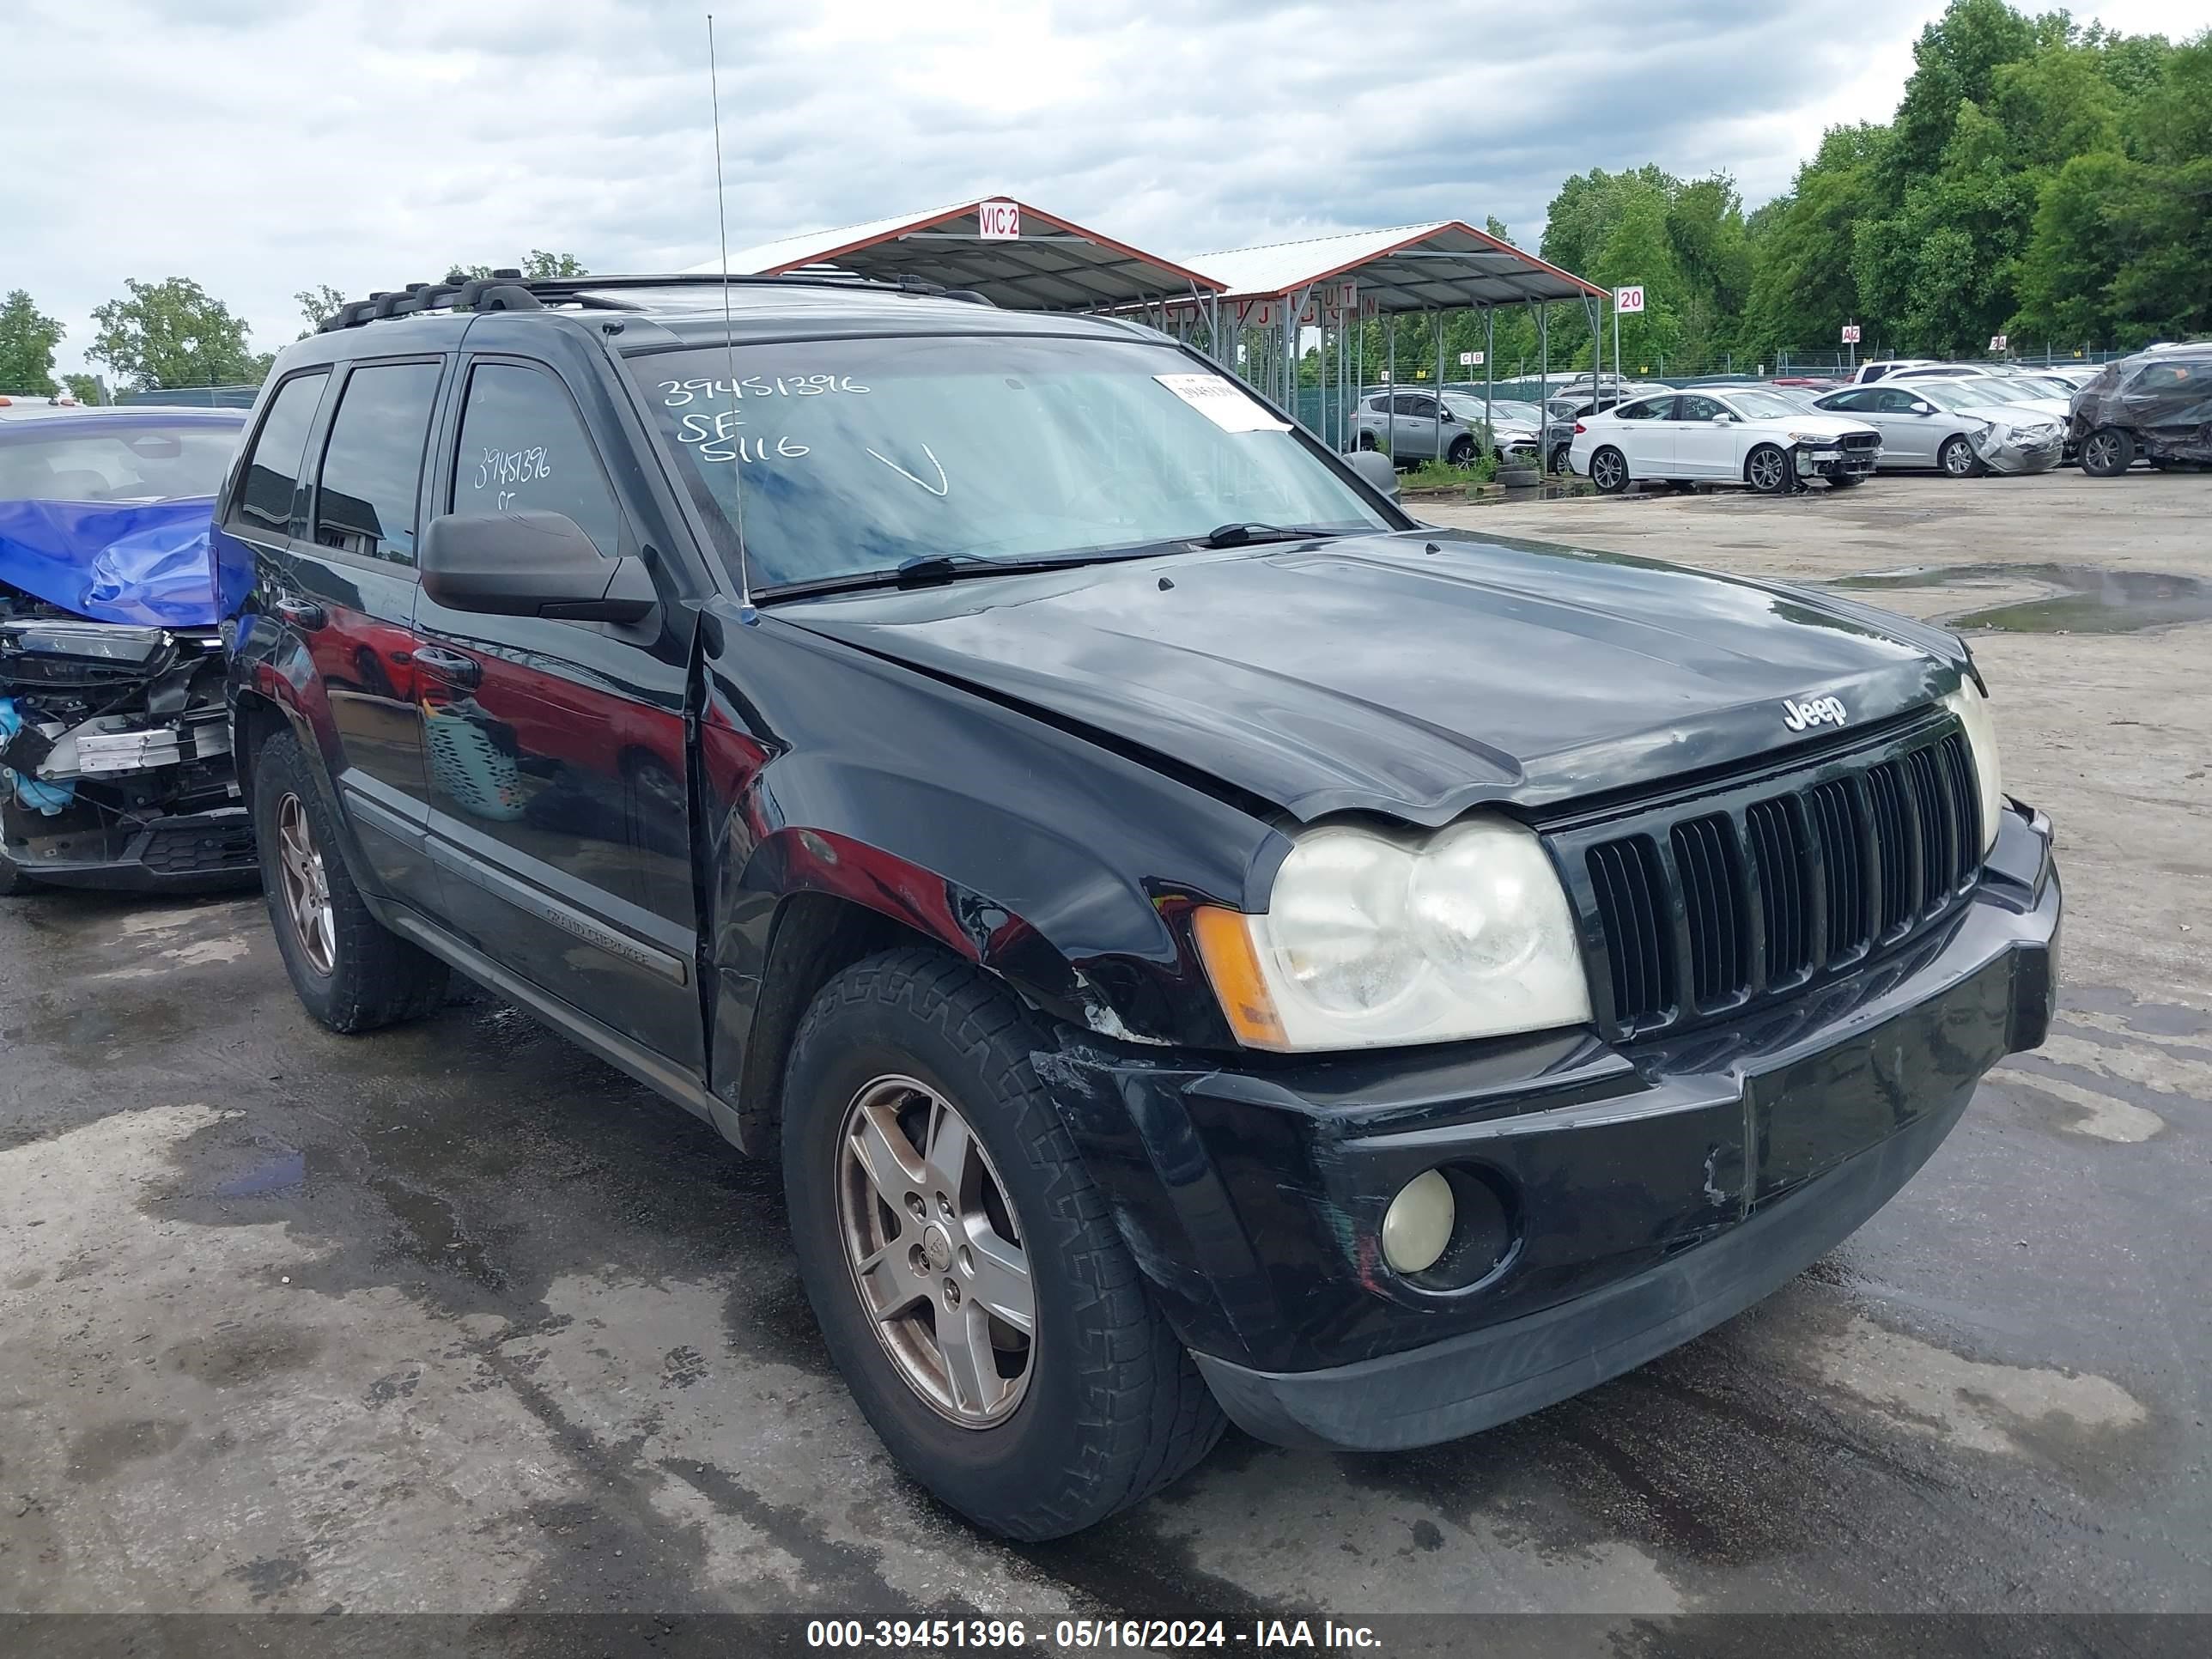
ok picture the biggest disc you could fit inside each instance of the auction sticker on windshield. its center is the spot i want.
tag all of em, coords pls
(1222, 401)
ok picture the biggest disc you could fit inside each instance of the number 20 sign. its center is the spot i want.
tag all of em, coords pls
(1629, 299)
(999, 221)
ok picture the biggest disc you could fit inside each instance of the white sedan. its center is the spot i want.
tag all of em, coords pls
(1721, 434)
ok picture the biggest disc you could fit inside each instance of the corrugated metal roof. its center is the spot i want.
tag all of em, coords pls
(1053, 265)
(1447, 264)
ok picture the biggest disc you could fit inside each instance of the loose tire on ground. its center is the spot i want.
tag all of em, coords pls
(1608, 470)
(1110, 1408)
(2108, 452)
(351, 972)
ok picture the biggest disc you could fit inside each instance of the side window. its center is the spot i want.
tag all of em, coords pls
(373, 463)
(1654, 409)
(1896, 402)
(523, 445)
(272, 471)
(1847, 403)
(1697, 409)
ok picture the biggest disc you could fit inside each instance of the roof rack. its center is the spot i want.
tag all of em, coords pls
(510, 290)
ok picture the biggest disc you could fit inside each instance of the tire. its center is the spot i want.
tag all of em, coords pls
(1767, 469)
(1105, 1407)
(2108, 452)
(1462, 452)
(1957, 459)
(1367, 440)
(1559, 458)
(1608, 470)
(14, 883)
(351, 972)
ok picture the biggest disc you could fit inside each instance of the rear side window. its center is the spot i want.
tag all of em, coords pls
(272, 471)
(523, 445)
(1652, 410)
(373, 463)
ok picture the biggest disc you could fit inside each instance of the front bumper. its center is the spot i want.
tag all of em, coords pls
(1653, 1190)
(1834, 461)
(2017, 457)
(173, 853)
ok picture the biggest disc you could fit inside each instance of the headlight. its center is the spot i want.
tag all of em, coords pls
(1972, 709)
(1370, 939)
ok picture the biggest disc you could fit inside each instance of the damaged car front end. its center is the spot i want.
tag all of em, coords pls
(115, 767)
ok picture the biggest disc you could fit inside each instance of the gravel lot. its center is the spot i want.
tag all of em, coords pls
(455, 1319)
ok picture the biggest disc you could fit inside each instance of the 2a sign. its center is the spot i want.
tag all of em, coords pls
(1628, 298)
(999, 221)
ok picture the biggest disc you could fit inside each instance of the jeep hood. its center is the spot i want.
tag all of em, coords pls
(1414, 674)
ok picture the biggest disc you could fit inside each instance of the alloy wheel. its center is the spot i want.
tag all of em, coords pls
(306, 886)
(2101, 453)
(1606, 470)
(936, 1251)
(1958, 458)
(1767, 468)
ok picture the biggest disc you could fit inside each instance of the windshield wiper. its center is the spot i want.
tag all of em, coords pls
(1244, 534)
(929, 570)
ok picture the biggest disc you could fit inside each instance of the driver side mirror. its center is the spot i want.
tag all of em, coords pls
(1722, 420)
(530, 564)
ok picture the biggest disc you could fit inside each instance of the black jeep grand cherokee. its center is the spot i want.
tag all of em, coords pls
(1200, 942)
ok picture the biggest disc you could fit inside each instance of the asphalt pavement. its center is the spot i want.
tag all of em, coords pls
(454, 1319)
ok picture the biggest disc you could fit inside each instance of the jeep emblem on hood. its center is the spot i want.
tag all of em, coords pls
(1814, 711)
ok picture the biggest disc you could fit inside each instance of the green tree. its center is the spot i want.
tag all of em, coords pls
(171, 333)
(27, 339)
(85, 388)
(316, 304)
(1956, 59)
(1803, 285)
(538, 266)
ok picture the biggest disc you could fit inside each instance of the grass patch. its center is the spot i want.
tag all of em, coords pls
(1443, 475)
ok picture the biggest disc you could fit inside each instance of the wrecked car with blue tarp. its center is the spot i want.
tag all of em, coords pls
(115, 766)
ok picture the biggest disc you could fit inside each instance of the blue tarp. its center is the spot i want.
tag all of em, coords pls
(146, 563)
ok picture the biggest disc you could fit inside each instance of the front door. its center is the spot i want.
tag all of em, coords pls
(1908, 426)
(1706, 438)
(355, 607)
(555, 751)
(1414, 426)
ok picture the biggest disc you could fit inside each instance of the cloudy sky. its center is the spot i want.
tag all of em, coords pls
(263, 146)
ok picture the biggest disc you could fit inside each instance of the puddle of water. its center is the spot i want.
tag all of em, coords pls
(2086, 600)
(287, 1169)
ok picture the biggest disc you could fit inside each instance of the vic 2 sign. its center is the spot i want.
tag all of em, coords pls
(999, 221)
(1628, 298)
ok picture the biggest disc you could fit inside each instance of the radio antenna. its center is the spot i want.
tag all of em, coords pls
(745, 612)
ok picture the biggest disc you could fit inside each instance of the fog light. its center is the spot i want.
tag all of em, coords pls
(1418, 1224)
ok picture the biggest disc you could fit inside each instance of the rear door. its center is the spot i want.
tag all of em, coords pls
(1645, 434)
(555, 751)
(354, 607)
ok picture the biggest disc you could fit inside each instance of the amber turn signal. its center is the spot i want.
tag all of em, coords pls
(1224, 944)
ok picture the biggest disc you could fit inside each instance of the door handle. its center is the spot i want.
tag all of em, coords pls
(451, 667)
(300, 613)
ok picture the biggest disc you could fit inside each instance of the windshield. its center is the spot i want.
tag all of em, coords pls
(1761, 405)
(119, 464)
(855, 457)
(1468, 405)
(2036, 386)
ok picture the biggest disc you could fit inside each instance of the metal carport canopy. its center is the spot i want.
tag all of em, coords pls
(1446, 266)
(1054, 264)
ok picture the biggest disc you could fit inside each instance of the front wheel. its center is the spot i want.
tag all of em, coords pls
(1608, 470)
(1768, 471)
(967, 1275)
(1462, 452)
(1957, 459)
(352, 973)
(2108, 452)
